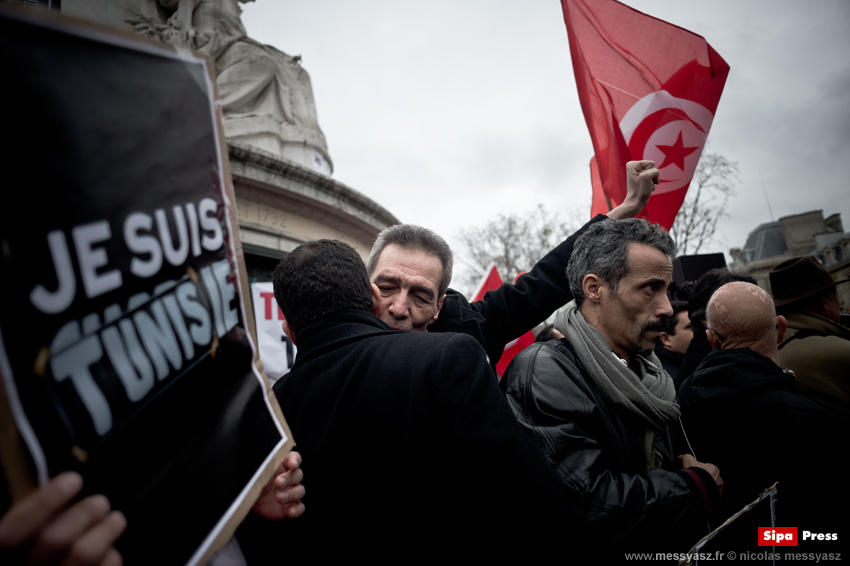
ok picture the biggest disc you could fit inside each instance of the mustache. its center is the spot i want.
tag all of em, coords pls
(653, 326)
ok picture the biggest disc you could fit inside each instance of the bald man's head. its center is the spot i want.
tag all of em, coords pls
(742, 315)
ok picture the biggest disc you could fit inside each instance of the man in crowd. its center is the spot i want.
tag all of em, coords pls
(700, 293)
(816, 346)
(598, 403)
(741, 410)
(409, 447)
(412, 268)
(674, 340)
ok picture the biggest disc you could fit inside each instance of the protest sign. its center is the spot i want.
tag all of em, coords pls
(737, 533)
(277, 352)
(125, 349)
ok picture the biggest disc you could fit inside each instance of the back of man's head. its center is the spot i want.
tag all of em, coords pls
(706, 285)
(742, 315)
(414, 237)
(603, 250)
(320, 278)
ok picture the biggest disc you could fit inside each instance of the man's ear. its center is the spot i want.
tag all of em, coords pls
(289, 332)
(712, 338)
(376, 300)
(592, 287)
(439, 306)
(665, 340)
(781, 327)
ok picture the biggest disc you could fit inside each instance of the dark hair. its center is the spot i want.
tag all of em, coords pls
(670, 323)
(414, 238)
(681, 291)
(603, 250)
(547, 333)
(706, 285)
(320, 278)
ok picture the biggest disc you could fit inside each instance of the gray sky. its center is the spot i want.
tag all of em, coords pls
(450, 112)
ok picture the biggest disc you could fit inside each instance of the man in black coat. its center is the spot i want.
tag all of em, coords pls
(409, 448)
(742, 411)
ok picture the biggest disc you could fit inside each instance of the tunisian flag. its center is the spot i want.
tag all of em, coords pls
(490, 281)
(648, 90)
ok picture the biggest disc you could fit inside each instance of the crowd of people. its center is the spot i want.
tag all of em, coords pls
(409, 447)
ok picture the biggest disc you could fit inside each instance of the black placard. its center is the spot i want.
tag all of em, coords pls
(124, 350)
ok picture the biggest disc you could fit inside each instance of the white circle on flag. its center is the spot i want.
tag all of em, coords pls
(671, 132)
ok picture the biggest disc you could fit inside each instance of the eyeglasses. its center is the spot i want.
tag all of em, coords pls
(722, 338)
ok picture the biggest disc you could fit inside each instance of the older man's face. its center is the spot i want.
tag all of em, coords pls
(408, 285)
(631, 318)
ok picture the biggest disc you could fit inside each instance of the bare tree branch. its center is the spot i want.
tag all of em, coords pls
(714, 182)
(514, 242)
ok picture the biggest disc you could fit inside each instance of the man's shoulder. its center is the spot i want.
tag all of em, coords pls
(424, 347)
(372, 355)
(805, 325)
(734, 373)
(546, 361)
(812, 341)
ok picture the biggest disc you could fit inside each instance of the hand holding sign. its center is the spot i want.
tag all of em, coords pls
(281, 497)
(45, 528)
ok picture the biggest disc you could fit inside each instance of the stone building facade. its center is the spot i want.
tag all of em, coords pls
(807, 233)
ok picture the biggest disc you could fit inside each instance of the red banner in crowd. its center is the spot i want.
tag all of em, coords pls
(648, 90)
(490, 281)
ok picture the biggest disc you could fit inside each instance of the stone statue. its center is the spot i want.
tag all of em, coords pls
(266, 96)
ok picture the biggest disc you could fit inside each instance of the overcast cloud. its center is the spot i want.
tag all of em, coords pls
(450, 112)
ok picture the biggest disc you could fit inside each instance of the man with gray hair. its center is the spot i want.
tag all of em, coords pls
(408, 444)
(412, 267)
(599, 404)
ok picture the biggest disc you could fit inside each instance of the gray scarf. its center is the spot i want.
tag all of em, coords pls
(649, 397)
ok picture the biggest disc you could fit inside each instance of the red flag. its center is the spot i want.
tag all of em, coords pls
(490, 281)
(600, 202)
(512, 349)
(648, 90)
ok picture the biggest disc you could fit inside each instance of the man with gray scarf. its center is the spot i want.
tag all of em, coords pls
(599, 404)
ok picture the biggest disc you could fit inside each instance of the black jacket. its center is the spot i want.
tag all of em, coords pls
(510, 311)
(670, 360)
(747, 416)
(698, 349)
(408, 445)
(598, 453)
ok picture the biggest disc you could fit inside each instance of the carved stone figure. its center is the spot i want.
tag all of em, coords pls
(267, 97)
